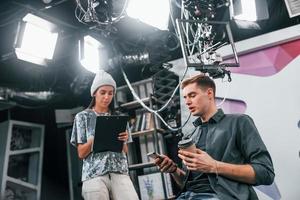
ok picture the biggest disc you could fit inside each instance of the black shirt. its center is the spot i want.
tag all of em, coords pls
(197, 181)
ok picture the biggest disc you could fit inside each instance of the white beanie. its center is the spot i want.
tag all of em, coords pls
(102, 78)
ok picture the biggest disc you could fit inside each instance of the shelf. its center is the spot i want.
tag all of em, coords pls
(24, 167)
(24, 136)
(145, 129)
(23, 151)
(16, 189)
(146, 132)
(145, 81)
(21, 156)
(135, 104)
(21, 183)
(141, 165)
(171, 197)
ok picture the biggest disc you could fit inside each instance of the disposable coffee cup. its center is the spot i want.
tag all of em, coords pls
(187, 145)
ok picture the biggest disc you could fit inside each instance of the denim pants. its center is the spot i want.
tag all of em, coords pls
(197, 196)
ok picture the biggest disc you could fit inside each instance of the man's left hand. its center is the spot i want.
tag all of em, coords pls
(199, 161)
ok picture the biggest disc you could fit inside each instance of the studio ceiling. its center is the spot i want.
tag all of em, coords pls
(66, 78)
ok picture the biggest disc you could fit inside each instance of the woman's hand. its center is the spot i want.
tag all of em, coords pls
(85, 149)
(123, 136)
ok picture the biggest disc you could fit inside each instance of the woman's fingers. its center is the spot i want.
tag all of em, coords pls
(123, 136)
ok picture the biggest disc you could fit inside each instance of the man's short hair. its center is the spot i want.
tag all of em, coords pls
(203, 81)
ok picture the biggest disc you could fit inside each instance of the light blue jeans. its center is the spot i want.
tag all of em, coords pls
(197, 196)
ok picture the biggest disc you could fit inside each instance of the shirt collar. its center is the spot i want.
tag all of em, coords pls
(214, 119)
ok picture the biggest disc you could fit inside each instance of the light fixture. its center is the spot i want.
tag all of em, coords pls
(152, 12)
(249, 10)
(35, 40)
(90, 53)
(135, 59)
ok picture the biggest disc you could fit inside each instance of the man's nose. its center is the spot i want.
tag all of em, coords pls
(187, 101)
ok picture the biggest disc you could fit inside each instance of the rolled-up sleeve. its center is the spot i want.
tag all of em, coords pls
(255, 152)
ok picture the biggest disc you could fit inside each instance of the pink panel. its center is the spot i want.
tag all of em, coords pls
(232, 105)
(292, 48)
(267, 62)
(283, 58)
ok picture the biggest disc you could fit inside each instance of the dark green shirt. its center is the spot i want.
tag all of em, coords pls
(233, 138)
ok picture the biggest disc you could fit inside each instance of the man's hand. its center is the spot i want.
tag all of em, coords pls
(165, 164)
(123, 136)
(199, 161)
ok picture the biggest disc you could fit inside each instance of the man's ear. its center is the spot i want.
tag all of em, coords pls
(210, 92)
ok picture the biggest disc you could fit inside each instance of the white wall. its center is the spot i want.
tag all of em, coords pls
(274, 104)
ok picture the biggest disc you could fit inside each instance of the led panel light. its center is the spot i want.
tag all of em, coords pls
(152, 12)
(250, 10)
(36, 40)
(89, 53)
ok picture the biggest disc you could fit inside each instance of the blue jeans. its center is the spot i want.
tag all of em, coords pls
(195, 196)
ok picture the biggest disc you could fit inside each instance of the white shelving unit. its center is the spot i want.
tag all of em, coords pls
(21, 157)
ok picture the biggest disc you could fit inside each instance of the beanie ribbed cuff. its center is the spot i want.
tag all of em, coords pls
(102, 78)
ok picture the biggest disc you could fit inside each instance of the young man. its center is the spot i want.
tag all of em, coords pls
(230, 155)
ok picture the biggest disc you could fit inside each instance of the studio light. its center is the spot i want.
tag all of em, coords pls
(139, 58)
(90, 52)
(250, 10)
(35, 40)
(154, 12)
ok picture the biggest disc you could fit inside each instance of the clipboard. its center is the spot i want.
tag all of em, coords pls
(106, 133)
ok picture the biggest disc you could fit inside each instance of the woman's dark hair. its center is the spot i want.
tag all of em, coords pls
(92, 103)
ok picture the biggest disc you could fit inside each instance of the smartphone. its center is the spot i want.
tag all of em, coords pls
(154, 155)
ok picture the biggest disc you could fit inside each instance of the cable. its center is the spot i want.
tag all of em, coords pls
(225, 97)
(142, 103)
(172, 19)
(90, 14)
(53, 5)
(149, 109)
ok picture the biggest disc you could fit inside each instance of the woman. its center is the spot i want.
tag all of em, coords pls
(105, 174)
